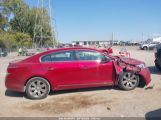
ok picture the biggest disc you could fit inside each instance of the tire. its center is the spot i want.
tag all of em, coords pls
(145, 48)
(128, 81)
(37, 88)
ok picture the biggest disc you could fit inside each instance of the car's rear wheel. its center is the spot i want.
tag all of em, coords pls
(37, 88)
(128, 81)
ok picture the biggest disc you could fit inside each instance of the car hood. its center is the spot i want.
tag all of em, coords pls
(131, 61)
(145, 44)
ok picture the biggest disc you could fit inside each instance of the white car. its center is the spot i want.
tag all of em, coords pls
(149, 46)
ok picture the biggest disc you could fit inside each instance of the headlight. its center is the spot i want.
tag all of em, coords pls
(141, 65)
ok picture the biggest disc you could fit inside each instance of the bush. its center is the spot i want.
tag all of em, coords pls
(13, 40)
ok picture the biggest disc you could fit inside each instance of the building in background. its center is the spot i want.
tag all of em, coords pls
(95, 43)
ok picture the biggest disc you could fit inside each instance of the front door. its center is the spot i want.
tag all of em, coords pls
(95, 68)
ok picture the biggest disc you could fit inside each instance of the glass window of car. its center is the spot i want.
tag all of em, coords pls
(154, 42)
(85, 55)
(58, 57)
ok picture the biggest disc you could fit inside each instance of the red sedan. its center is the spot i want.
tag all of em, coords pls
(71, 68)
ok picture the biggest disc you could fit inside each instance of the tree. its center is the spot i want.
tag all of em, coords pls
(35, 22)
(24, 21)
(13, 40)
(3, 22)
(7, 40)
(23, 39)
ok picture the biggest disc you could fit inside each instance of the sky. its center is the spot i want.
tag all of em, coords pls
(98, 19)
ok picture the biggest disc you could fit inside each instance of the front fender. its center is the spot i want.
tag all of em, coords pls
(121, 67)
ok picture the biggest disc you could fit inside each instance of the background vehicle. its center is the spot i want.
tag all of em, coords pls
(3, 52)
(106, 50)
(71, 68)
(158, 57)
(149, 46)
(123, 43)
(31, 52)
(124, 52)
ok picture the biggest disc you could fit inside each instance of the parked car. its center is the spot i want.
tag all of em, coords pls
(3, 52)
(123, 43)
(124, 52)
(158, 57)
(106, 50)
(149, 46)
(31, 52)
(71, 68)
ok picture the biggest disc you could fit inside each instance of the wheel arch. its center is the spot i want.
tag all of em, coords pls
(145, 47)
(142, 82)
(28, 79)
(125, 87)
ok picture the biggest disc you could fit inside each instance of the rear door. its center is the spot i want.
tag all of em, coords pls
(62, 69)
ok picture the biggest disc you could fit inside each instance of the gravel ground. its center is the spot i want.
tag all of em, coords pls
(91, 102)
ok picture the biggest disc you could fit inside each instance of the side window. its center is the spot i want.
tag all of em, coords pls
(46, 58)
(155, 43)
(90, 55)
(58, 57)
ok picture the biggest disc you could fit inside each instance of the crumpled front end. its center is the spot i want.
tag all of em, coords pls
(123, 64)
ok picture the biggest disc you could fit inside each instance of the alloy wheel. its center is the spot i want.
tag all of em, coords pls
(37, 88)
(128, 81)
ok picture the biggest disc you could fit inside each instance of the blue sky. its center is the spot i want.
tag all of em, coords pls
(97, 19)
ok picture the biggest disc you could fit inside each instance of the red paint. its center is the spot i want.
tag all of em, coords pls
(71, 74)
(106, 50)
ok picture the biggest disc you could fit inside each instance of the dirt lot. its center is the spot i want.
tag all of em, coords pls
(91, 102)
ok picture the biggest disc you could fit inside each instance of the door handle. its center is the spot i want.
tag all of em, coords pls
(50, 68)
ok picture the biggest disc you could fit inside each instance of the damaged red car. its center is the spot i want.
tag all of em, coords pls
(71, 68)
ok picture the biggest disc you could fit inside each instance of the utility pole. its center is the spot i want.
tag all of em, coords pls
(142, 36)
(112, 38)
(53, 34)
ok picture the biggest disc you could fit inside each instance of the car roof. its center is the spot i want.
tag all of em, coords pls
(36, 57)
(70, 48)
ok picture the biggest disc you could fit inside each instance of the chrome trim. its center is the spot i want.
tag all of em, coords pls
(70, 61)
(52, 53)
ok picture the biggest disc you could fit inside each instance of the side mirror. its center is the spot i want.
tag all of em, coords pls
(105, 60)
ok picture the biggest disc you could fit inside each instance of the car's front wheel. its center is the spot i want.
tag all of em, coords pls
(128, 81)
(145, 48)
(37, 88)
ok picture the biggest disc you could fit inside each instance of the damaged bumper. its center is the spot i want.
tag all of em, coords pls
(145, 73)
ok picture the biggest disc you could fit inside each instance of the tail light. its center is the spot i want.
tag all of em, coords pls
(12, 68)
